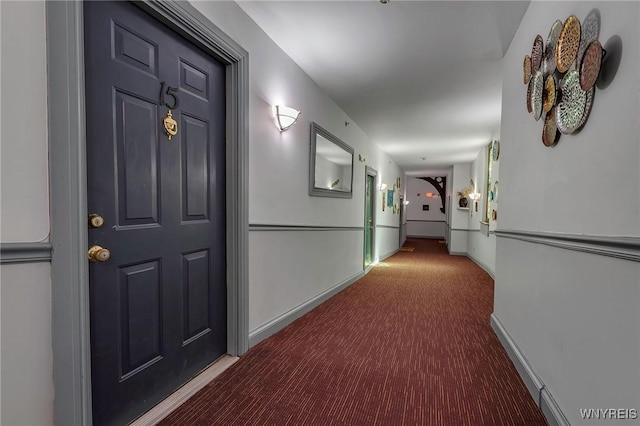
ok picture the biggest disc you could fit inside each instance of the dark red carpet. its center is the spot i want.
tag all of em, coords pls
(409, 344)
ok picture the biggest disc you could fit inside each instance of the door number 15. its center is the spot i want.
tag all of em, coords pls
(169, 92)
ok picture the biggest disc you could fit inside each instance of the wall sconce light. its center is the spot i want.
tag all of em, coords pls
(383, 186)
(475, 196)
(285, 116)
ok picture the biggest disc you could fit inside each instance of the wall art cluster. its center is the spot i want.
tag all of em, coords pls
(561, 75)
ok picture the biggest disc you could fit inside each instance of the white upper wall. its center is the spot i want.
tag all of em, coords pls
(24, 172)
(590, 182)
(416, 194)
(279, 162)
(26, 382)
(575, 316)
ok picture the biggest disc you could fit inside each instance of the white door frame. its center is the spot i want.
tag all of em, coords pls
(68, 191)
(369, 171)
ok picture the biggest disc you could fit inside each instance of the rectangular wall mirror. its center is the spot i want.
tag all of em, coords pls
(330, 165)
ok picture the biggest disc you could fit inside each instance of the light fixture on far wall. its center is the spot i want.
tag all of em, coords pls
(285, 116)
(383, 186)
(475, 196)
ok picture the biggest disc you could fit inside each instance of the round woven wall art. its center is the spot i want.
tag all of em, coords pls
(526, 69)
(574, 99)
(587, 107)
(590, 65)
(561, 75)
(536, 54)
(590, 31)
(568, 44)
(536, 94)
(550, 130)
(529, 90)
(549, 93)
(549, 61)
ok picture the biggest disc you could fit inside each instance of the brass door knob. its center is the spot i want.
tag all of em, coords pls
(98, 254)
(95, 221)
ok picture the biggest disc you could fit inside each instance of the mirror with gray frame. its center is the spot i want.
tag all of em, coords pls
(330, 165)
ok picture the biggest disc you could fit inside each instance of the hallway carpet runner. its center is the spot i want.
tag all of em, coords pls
(408, 344)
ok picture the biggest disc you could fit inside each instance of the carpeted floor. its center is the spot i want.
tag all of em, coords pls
(409, 344)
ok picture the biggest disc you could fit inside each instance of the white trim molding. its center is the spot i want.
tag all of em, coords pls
(627, 248)
(267, 227)
(25, 252)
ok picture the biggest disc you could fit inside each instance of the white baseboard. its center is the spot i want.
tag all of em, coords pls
(533, 383)
(259, 334)
(551, 411)
(384, 256)
(482, 265)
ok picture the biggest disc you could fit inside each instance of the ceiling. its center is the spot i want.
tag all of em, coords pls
(423, 79)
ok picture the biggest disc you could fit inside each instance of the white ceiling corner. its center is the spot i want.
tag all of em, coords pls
(421, 78)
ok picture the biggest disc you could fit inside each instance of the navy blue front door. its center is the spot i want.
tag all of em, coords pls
(158, 304)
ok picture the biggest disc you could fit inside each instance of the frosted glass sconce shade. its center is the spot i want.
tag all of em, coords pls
(475, 195)
(285, 116)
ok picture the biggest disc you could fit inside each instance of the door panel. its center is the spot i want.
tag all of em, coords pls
(137, 160)
(195, 168)
(158, 305)
(196, 294)
(134, 50)
(140, 314)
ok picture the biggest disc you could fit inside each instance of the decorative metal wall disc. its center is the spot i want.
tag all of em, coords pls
(590, 65)
(587, 107)
(536, 54)
(536, 94)
(590, 31)
(549, 93)
(561, 76)
(549, 60)
(526, 69)
(550, 133)
(529, 90)
(569, 112)
(568, 44)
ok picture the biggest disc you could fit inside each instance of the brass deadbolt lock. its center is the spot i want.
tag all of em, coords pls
(95, 221)
(98, 254)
